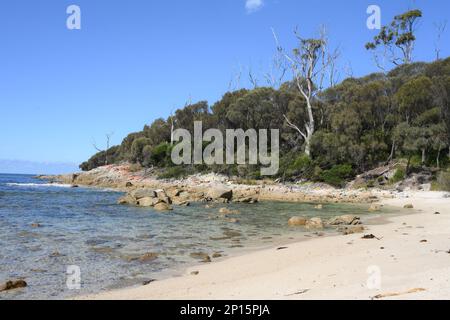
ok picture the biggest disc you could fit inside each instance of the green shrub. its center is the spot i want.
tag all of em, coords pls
(301, 163)
(337, 175)
(399, 175)
(416, 161)
(442, 181)
(174, 173)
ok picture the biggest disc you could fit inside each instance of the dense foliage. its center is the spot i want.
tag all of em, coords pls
(360, 123)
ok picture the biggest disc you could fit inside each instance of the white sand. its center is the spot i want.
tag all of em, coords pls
(332, 267)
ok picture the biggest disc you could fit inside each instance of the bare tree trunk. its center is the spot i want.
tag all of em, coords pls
(392, 155)
(438, 158)
(308, 146)
(423, 156)
(310, 63)
(408, 165)
(171, 133)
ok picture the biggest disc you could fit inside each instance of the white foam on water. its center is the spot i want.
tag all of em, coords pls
(39, 185)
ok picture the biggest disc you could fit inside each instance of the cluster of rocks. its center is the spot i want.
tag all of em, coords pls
(376, 178)
(346, 224)
(204, 257)
(162, 200)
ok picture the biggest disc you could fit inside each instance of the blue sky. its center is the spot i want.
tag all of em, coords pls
(135, 61)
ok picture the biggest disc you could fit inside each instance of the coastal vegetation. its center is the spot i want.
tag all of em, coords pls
(328, 133)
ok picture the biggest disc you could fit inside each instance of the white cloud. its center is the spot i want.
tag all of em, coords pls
(253, 5)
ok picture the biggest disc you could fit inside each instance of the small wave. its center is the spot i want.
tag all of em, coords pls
(39, 185)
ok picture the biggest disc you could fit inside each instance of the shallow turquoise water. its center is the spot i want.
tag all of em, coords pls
(86, 228)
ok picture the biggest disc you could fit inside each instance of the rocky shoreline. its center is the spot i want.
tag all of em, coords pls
(212, 188)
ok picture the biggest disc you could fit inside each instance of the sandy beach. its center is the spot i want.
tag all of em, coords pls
(408, 259)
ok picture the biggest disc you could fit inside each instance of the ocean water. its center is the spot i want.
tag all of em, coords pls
(84, 227)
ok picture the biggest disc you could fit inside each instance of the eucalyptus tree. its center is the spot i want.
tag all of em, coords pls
(396, 40)
(310, 65)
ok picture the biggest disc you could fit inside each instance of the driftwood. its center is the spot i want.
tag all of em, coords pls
(395, 294)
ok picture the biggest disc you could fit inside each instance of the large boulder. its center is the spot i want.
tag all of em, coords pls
(220, 193)
(162, 195)
(147, 202)
(347, 219)
(173, 192)
(297, 221)
(127, 200)
(143, 193)
(314, 224)
(409, 206)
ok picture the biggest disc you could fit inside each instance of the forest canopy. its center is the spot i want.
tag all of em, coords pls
(358, 124)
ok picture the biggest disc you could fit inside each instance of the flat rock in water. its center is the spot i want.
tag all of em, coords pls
(162, 207)
(13, 284)
(148, 202)
(374, 207)
(143, 193)
(150, 256)
(127, 200)
(220, 193)
(314, 223)
(228, 211)
(204, 257)
(297, 221)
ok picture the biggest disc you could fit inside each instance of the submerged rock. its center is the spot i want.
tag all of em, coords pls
(12, 284)
(297, 221)
(162, 207)
(314, 223)
(228, 211)
(127, 200)
(181, 203)
(374, 207)
(409, 206)
(204, 257)
(147, 257)
(148, 202)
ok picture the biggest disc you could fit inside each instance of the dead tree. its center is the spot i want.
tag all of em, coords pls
(310, 65)
(108, 137)
(440, 29)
